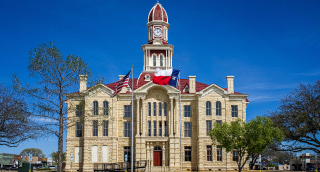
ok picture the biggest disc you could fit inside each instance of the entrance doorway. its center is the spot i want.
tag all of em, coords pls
(157, 156)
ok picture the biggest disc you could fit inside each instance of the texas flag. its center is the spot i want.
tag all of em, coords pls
(166, 77)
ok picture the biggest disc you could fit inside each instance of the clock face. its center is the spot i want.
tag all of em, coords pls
(157, 32)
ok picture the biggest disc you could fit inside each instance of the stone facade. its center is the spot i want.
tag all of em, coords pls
(90, 139)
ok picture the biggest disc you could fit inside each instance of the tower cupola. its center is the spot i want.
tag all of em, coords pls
(158, 13)
(158, 25)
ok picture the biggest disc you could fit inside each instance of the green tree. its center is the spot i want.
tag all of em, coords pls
(34, 151)
(245, 138)
(55, 156)
(298, 117)
(56, 76)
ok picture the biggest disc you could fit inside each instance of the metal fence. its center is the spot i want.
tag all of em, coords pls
(120, 166)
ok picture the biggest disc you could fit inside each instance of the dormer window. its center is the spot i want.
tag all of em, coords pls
(186, 89)
(147, 77)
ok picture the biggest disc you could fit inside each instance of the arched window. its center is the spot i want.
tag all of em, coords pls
(105, 107)
(154, 60)
(95, 108)
(160, 108)
(154, 109)
(149, 109)
(161, 60)
(218, 108)
(165, 109)
(208, 108)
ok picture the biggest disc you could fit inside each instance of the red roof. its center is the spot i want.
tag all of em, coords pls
(157, 13)
(137, 83)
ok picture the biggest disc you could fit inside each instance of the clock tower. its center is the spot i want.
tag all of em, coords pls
(157, 53)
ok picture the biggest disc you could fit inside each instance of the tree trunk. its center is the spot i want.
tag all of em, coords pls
(60, 146)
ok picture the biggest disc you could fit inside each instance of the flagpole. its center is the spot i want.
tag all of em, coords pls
(132, 122)
(180, 120)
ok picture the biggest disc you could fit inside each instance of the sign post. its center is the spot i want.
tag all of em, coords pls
(126, 159)
(316, 164)
(30, 160)
(71, 161)
(260, 162)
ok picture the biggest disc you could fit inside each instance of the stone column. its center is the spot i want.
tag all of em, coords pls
(177, 116)
(143, 117)
(163, 154)
(162, 119)
(171, 117)
(138, 117)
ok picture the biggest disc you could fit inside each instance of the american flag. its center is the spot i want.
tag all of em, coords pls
(122, 83)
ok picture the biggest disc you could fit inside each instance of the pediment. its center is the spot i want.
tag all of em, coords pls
(99, 88)
(214, 88)
(149, 85)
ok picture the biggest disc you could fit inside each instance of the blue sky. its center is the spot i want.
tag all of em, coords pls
(269, 46)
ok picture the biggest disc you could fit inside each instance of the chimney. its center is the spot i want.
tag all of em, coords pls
(230, 84)
(192, 84)
(121, 76)
(83, 83)
(123, 90)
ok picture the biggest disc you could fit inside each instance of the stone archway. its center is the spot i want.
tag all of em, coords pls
(157, 156)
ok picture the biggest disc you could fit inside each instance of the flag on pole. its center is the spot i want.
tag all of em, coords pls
(122, 83)
(166, 77)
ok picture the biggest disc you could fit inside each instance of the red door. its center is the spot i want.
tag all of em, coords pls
(157, 156)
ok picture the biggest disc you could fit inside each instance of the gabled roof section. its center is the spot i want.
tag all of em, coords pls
(140, 82)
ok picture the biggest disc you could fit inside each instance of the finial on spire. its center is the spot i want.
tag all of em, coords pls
(157, 1)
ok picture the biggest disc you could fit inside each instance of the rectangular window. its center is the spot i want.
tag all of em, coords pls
(187, 129)
(149, 128)
(165, 109)
(94, 153)
(79, 110)
(105, 108)
(78, 155)
(209, 126)
(187, 111)
(219, 122)
(218, 108)
(154, 109)
(219, 154)
(127, 129)
(165, 128)
(95, 108)
(105, 128)
(127, 153)
(149, 109)
(104, 153)
(127, 110)
(95, 128)
(235, 155)
(160, 128)
(160, 108)
(234, 110)
(187, 153)
(209, 153)
(154, 128)
(79, 129)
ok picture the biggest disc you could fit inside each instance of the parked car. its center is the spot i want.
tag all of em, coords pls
(311, 168)
(11, 168)
(52, 167)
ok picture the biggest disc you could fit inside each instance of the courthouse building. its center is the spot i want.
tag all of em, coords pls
(100, 125)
